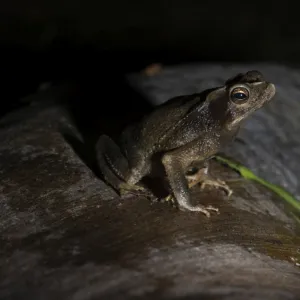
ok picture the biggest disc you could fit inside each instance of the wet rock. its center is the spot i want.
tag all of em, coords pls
(64, 234)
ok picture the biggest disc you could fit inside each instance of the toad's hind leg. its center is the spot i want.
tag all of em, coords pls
(114, 165)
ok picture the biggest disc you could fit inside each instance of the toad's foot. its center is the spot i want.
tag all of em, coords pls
(218, 184)
(198, 208)
(192, 181)
(126, 188)
(170, 199)
(204, 209)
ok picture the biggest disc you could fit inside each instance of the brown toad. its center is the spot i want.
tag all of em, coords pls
(182, 131)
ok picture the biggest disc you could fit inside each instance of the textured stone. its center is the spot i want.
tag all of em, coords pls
(65, 235)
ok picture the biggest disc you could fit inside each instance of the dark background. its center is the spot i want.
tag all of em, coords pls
(93, 43)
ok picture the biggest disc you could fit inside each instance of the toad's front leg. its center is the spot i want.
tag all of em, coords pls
(179, 184)
(200, 175)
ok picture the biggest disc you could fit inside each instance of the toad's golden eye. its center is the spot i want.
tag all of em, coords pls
(239, 95)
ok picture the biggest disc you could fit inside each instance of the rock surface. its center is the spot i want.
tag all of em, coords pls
(65, 235)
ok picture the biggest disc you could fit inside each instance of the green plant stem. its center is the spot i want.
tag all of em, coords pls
(248, 174)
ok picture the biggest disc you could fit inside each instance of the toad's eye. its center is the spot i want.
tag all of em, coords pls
(239, 95)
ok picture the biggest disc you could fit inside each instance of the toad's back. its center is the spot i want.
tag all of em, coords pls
(172, 124)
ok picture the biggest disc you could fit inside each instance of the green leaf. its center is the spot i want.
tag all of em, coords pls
(248, 174)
